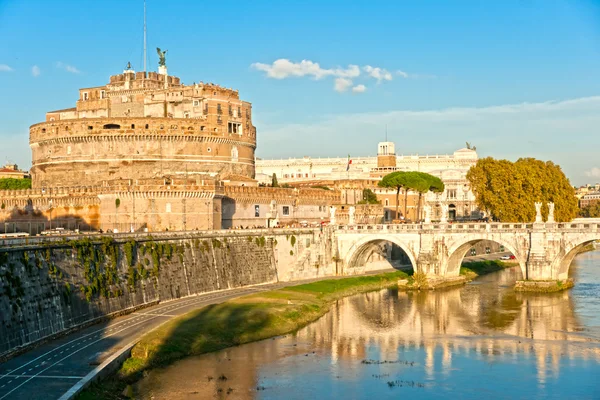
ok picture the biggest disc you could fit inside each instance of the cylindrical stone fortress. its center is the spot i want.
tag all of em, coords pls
(143, 126)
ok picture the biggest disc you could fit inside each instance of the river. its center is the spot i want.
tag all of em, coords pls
(481, 340)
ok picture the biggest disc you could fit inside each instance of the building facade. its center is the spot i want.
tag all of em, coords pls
(12, 171)
(147, 153)
(144, 125)
(365, 172)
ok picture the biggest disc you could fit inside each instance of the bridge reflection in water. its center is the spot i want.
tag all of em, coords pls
(486, 321)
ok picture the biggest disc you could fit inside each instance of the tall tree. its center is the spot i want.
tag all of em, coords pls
(395, 180)
(508, 191)
(274, 182)
(422, 183)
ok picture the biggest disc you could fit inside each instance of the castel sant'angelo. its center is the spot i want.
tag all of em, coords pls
(147, 153)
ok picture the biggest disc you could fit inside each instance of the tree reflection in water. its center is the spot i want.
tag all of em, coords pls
(485, 321)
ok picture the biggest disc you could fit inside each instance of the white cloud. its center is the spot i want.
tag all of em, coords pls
(67, 67)
(359, 89)
(5, 68)
(284, 68)
(35, 71)
(542, 130)
(593, 173)
(342, 84)
(378, 73)
(402, 74)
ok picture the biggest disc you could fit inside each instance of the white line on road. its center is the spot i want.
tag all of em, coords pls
(113, 326)
(43, 376)
(69, 355)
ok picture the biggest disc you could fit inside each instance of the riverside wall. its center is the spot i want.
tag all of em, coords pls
(49, 288)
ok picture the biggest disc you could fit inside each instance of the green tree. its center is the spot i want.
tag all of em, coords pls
(590, 211)
(274, 182)
(419, 182)
(508, 191)
(15, 184)
(368, 197)
(422, 183)
(395, 180)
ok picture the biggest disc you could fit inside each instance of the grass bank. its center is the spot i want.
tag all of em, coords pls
(472, 270)
(234, 322)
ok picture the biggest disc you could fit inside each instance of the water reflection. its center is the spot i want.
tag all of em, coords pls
(460, 342)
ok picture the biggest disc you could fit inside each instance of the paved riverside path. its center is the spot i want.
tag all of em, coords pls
(48, 371)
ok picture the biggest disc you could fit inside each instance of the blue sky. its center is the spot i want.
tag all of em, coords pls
(515, 77)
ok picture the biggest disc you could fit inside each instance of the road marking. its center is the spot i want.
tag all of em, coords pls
(104, 329)
(44, 376)
(172, 306)
(67, 356)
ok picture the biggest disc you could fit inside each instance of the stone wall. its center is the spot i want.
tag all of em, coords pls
(85, 151)
(245, 206)
(48, 288)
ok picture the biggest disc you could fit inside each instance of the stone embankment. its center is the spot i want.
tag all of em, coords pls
(50, 288)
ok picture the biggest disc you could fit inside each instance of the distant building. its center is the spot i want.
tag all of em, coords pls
(13, 171)
(589, 199)
(364, 172)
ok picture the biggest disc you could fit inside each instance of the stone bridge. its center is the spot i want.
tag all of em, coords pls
(544, 250)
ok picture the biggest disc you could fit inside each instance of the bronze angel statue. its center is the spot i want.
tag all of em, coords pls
(161, 56)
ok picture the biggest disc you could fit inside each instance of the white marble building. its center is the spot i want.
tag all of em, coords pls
(451, 168)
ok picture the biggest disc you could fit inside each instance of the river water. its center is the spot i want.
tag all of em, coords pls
(481, 340)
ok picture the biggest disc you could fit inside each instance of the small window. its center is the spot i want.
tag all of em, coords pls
(208, 149)
(168, 208)
(256, 210)
(90, 127)
(286, 210)
(196, 103)
(387, 202)
(219, 110)
(239, 113)
(230, 110)
(85, 95)
(202, 127)
(147, 126)
(132, 126)
(102, 94)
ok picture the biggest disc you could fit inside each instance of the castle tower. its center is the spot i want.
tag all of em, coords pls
(386, 155)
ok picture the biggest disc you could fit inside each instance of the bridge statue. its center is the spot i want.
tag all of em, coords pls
(332, 215)
(351, 212)
(538, 212)
(445, 209)
(427, 209)
(551, 213)
(161, 57)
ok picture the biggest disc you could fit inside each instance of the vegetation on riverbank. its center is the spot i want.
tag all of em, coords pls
(543, 286)
(234, 322)
(472, 270)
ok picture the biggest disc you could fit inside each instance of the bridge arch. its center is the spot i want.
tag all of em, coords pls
(562, 261)
(458, 250)
(360, 250)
